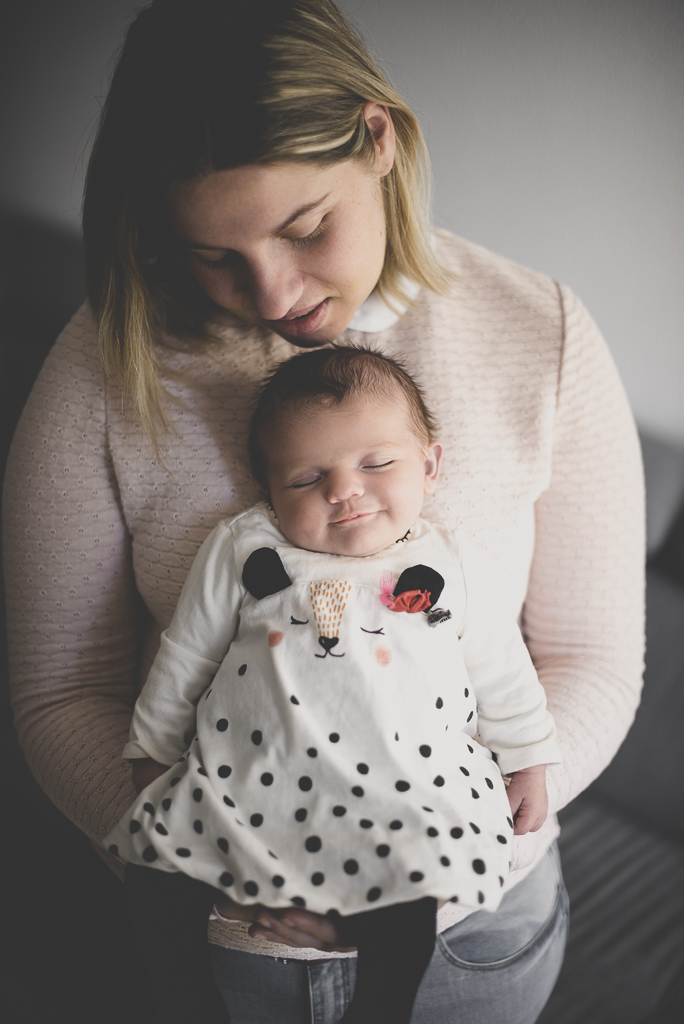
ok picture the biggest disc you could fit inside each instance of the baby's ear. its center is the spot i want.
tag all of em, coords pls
(264, 574)
(421, 577)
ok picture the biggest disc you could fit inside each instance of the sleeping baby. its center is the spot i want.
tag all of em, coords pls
(334, 705)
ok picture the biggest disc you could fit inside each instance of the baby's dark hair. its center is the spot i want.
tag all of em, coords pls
(332, 375)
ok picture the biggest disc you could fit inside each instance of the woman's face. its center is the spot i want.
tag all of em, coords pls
(297, 247)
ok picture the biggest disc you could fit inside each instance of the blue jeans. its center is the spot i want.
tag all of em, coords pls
(490, 969)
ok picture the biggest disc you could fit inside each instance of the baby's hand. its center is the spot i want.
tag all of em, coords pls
(528, 799)
(144, 771)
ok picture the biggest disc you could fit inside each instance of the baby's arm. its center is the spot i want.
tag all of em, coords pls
(528, 799)
(145, 770)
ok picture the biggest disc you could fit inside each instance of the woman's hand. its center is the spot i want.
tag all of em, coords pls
(145, 770)
(290, 926)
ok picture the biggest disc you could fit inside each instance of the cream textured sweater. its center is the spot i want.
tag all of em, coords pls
(542, 470)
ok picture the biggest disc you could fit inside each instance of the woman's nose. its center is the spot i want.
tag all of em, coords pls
(343, 486)
(274, 285)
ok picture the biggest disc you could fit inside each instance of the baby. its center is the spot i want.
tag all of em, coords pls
(334, 703)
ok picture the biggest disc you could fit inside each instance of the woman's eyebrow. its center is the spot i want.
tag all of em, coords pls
(290, 220)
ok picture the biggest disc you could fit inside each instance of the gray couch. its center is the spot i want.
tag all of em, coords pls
(622, 841)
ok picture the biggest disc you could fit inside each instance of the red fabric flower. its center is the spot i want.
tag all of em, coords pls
(410, 601)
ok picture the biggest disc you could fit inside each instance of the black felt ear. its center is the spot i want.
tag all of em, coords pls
(421, 577)
(264, 573)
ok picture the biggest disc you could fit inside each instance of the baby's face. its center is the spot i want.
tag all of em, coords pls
(349, 479)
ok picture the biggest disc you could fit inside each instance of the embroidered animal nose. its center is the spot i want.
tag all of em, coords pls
(328, 642)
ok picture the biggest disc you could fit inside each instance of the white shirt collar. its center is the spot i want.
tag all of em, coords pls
(375, 315)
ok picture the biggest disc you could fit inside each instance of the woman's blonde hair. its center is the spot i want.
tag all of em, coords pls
(205, 85)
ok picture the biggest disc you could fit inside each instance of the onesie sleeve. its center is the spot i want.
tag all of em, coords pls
(583, 618)
(191, 651)
(72, 603)
(513, 720)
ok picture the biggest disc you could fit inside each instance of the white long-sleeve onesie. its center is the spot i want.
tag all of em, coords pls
(322, 746)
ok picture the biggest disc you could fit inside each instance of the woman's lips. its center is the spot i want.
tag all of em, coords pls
(295, 326)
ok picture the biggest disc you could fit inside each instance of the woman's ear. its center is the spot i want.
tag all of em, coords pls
(433, 461)
(381, 127)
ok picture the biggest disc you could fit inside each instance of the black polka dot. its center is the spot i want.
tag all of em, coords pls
(445, 861)
(183, 851)
(278, 881)
(464, 770)
(502, 839)
(416, 876)
(301, 813)
(198, 827)
(501, 881)
(223, 845)
(228, 802)
(480, 897)
(339, 811)
(256, 820)
(134, 827)
(305, 783)
(222, 724)
(489, 783)
(160, 829)
(479, 866)
(475, 828)
(226, 879)
(224, 771)
(362, 768)
(197, 795)
(469, 717)
(293, 700)
(313, 844)
(334, 737)
(272, 854)
(175, 780)
(298, 901)
(267, 779)
(149, 854)
(257, 737)
(454, 899)
(428, 809)
(475, 794)
(425, 750)
(402, 785)
(207, 695)
(365, 823)
(456, 833)
(242, 670)
(382, 850)
(351, 867)
(432, 832)
(166, 803)
(509, 822)
(439, 703)
(251, 888)
(438, 780)
(396, 735)
(357, 790)
(149, 808)
(374, 894)
(318, 878)
(312, 752)
(201, 771)
(466, 692)
(114, 849)
(180, 759)
(396, 825)
(470, 748)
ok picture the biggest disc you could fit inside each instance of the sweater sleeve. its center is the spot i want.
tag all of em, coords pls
(513, 720)
(71, 597)
(191, 651)
(583, 618)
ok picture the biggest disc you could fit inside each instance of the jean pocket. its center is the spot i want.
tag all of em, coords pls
(526, 915)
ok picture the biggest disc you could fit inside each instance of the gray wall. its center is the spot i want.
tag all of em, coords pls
(556, 129)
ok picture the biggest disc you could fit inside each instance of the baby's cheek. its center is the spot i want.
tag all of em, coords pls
(383, 655)
(275, 637)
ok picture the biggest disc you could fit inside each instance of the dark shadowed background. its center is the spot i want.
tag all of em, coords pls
(556, 131)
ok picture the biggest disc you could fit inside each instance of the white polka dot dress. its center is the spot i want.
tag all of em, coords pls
(322, 744)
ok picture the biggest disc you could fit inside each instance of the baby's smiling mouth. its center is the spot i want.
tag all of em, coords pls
(352, 517)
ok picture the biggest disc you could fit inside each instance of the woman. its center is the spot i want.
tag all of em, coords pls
(257, 185)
